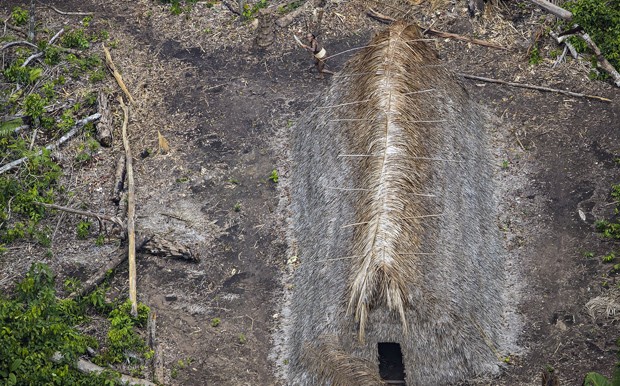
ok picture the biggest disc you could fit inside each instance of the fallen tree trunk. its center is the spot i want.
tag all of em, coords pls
(553, 9)
(131, 212)
(287, 19)
(87, 367)
(104, 126)
(53, 146)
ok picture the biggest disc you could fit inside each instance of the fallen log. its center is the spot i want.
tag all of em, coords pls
(553, 9)
(99, 217)
(87, 367)
(287, 19)
(63, 139)
(602, 61)
(116, 74)
(131, 212)
(104, 126)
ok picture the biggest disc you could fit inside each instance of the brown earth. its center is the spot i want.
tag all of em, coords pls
(225, 105)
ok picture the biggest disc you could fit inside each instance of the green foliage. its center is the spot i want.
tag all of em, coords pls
(274, 177)
(83, 229)
(249, 11)
(122, 337)
(237, 207)
(176, 6)
(34, 325)
(611, 229)
(76, 38)
(608, 258)
(535, 57)
(291, 6)
(215, 322)
(22, 75)
(242, 338)
(19, 16)
(601, 19)
(34, 106)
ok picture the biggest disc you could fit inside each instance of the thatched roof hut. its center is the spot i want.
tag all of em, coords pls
(394, 219)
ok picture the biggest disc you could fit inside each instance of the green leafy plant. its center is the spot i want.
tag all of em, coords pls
(274, 176)
(83, 229)
(215, 322)
(601, 19)
(249, 11)
(76, 38)
(535, 57)
(19, 16)
(237, 207)
(34, 326)
(242, 338)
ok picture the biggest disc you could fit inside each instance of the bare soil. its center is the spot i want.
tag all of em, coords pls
(225, 105)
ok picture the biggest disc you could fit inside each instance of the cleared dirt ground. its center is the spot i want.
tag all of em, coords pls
(225, 105)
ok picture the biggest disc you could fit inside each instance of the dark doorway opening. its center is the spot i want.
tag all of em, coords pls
(391, 368)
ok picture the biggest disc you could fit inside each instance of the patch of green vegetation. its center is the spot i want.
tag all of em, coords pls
(237, 207)
(596, 379)
(242, 338)
(535, 57)
(274, 177)
(19, 16)
(601, 19)
(83, 229)
(76, 38)
(249, 11)
(177, 7)
(215, 322)
(291, 6)
(35, 325)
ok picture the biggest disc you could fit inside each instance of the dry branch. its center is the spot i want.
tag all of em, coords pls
(18, 43)
(603, 63)
(39, 54)
(428, 31)
(131, 211)
(534, 87)
(87, 367)
(553, 9)
(287, 19)
(53, 146)
(562, 40)
(157, 362)
(116, 74)
(104, 126)
(99, 217)
(101, 274)
(67, 13)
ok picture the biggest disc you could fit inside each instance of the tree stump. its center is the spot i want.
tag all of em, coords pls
(265, 31)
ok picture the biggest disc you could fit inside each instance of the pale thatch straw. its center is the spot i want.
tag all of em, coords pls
(412, 212)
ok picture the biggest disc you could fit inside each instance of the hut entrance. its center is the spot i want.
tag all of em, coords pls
(391, 368)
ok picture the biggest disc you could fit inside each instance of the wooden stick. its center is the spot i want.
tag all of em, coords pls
(533, 87)
(603, 63)
(553, 9)
(53, 146)
(39, 54)
(131, 213)
(99, 217)
(18, 43)
(115, 73)
(158, 361)
(87, 367)
(67, 13)
(429, 31)
(100, 275)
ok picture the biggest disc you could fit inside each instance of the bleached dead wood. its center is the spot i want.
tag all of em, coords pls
(553, 9)
(99, 217)
(39, 54)
(18, 43)
(287, 19)
(534, 87)
(87, 367)
(104, 126)
(602, 62)
(131, 212)
(563, 40)
(55, 145)
(158, 361)
(116, 74)
(58, 11)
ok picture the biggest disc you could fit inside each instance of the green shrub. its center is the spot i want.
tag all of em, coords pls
(34, 325)
(601, 20)
(19, 16)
